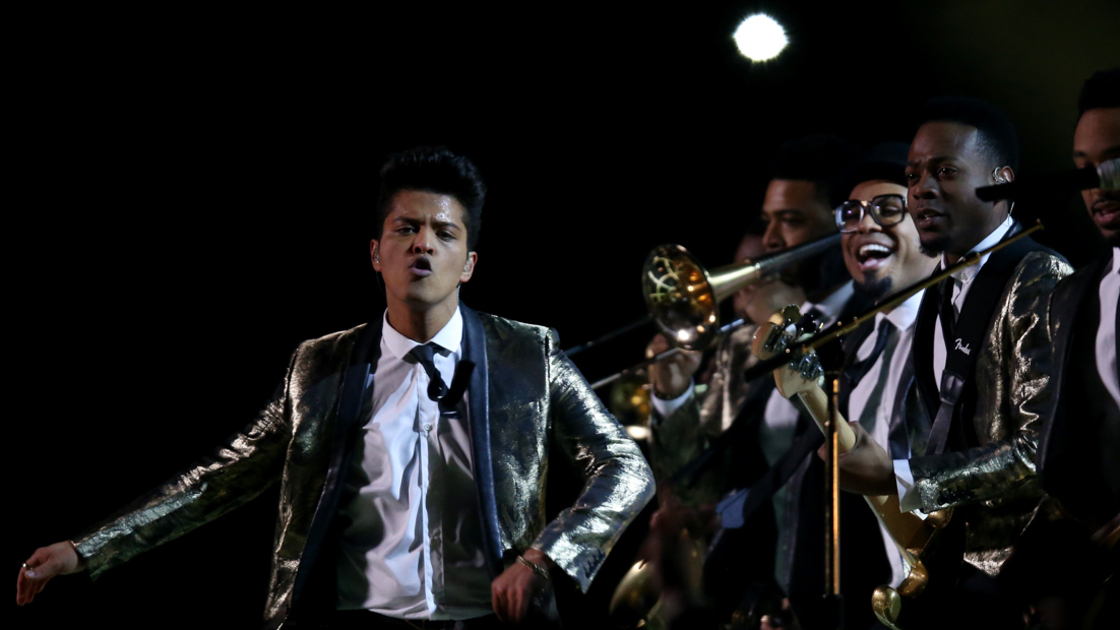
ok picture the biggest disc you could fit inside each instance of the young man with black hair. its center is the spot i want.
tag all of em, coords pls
(982, 351)
(882, 253)
(411, 451)
(768, 429)
(1078, 451)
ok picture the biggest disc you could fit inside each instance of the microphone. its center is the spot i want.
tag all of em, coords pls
(1106, 177)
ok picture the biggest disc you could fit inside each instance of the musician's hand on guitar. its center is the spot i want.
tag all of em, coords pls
(866, 468)
(670, 378)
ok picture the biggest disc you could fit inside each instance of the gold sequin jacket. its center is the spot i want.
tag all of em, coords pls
(523, 396)
(992, 474)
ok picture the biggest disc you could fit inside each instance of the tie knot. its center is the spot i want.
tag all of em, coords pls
(424, 353)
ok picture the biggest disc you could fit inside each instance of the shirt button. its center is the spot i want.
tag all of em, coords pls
(426, 427)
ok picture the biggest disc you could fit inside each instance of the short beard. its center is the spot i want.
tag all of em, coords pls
(936, 247)
(875, 289)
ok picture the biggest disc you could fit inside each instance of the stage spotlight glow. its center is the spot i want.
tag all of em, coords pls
(760, 38)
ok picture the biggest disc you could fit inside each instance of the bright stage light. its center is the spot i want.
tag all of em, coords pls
(760, 38)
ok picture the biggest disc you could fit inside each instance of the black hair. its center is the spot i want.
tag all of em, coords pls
(886, 160)
(998, 139)
(1099, 91)
(435, 170)
(814, 158)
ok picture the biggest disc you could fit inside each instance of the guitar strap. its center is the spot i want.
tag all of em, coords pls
(963, 340)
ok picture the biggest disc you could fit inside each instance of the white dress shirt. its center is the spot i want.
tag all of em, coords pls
(779, 427)
(1106, 330)
(412, 548)
(904, 478)
(903, 317)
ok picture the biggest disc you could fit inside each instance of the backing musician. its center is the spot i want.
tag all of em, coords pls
(764, 429)
(982, 351)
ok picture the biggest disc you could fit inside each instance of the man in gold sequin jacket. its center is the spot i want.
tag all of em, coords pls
(522, 396)
(981, 455)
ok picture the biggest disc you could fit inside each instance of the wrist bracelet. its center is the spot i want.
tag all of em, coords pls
(538, 569)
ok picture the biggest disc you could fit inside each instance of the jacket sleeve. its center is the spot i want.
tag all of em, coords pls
(617, 481)
(245, 466)
(1015, 400)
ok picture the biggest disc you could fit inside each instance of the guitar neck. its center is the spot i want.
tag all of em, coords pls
(905, 527)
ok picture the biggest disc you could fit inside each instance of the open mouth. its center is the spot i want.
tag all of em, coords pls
(926, 219)
(1106, 214)
(421, 267)
(872, 256)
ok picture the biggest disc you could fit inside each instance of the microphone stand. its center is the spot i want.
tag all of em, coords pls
(826, 344)
(839, 329)
(832, 358)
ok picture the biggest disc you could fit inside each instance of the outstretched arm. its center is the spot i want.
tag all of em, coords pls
(245, 466)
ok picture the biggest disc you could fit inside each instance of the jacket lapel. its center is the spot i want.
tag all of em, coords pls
(347, 417)
(478, 414)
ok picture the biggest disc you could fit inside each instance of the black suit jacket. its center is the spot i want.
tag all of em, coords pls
(1079, 446)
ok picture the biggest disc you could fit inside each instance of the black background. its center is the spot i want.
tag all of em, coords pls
(189, 195)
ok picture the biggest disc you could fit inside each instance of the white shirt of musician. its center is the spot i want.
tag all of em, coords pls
(412, 547)
(908, 498)
(776, 435)
(1106, 330)
(903, 317)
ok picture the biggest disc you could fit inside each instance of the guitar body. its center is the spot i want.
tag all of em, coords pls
(933, 548)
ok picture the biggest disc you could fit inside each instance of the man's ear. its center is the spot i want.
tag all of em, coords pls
(1003, 175)
(468, 269)
(374, 255)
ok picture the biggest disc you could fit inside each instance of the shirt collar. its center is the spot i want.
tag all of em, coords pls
(831, 306)
(969, 272)
(904, 315)
(450, 337)
(1116, 260)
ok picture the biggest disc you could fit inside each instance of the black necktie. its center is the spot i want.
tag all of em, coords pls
(859, 369)
(424, 355)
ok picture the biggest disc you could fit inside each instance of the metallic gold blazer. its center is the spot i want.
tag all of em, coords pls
(991, 469)
(523, 395)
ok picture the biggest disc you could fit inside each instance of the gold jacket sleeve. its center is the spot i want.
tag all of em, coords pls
(617, 480)
(689, 429)
(1012, 375)
(237, 472)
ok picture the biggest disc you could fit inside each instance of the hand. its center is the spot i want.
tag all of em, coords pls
(670, 378)
(761, 300)
(58, 559)
(513, 590)
(866, 468)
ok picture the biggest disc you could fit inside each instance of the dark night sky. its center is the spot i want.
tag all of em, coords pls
(193, 193)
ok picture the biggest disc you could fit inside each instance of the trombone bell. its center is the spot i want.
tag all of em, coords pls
(683, 297)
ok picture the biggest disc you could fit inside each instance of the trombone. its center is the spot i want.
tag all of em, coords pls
(682, 297)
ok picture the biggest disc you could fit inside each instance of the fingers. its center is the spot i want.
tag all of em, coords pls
(511, 594)
(497, 602)
(44, 564)
(30, 582)
(656, 346)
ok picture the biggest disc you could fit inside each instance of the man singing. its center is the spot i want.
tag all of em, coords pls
(883, 254)
(411, 451)
(981, 346)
